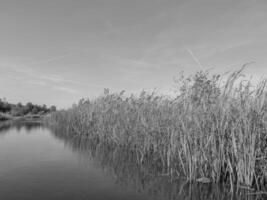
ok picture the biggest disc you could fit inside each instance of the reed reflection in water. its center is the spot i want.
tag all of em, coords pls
(122, 164)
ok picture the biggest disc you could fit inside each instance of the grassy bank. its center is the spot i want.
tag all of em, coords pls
(212, 131)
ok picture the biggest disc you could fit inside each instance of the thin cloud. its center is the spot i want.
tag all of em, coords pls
(37, 82)
(208, 50)
(132, 63)
(141, 64)
(29, 72)
(28, 75)
(65, 89)
(14, 77)
(53, 78)
(56, 58)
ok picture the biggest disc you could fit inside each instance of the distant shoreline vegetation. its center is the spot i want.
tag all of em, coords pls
(210, 132)
(9, 111)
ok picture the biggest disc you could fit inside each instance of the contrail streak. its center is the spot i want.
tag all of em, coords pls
(194, 57)
(55, 58)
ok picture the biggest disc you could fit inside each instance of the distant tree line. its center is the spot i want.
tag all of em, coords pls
(19, 109)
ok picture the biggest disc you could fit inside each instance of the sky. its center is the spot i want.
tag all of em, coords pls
(55, 52)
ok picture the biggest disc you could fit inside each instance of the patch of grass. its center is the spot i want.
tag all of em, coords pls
(213, 130)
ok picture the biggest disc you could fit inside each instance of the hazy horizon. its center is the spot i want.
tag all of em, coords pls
(55, 52)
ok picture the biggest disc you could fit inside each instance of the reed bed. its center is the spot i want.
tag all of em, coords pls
(213, 131)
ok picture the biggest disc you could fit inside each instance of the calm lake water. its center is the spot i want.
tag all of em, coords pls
(38, 163)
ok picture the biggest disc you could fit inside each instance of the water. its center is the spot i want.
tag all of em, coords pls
(38, 163)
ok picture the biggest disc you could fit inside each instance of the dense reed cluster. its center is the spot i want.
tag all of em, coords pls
(214, 130)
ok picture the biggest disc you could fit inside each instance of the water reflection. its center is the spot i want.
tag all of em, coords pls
(19, 124)
(121, 163)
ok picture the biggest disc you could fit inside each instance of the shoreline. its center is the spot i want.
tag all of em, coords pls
(6, 118)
